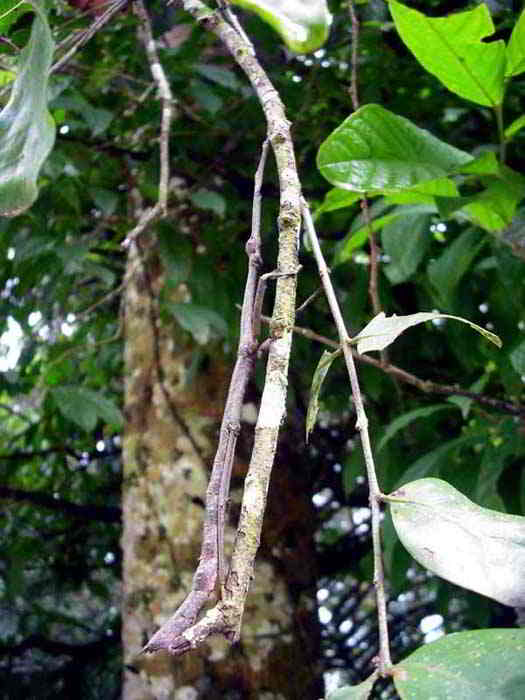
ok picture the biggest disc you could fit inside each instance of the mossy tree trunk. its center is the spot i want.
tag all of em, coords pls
(173, 412)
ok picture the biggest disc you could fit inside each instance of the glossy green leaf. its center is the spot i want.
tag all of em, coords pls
(484, 164)
(320, 373)
(424, 192)
(85, 407)
(376, 151)
(492, 209)
(451, 48)
(474, 547)
(516, 48)
(27, 131)
(405, 242)
(335, 199)
(304, 25)
(470, 665)
(383, 330)
(354, 692)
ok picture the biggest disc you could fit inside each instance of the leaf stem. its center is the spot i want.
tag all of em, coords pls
(498, 110)
(385, 661)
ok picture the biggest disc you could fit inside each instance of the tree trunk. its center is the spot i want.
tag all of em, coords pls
(173, 410)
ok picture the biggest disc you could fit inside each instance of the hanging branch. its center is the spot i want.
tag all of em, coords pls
(182, 632)
(211, 562)
(385, 661)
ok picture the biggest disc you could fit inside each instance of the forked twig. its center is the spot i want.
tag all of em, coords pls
(385, 661)
(182, 632)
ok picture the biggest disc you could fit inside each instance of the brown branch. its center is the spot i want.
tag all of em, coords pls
(374, 249)
(180, 633)
(425, 385)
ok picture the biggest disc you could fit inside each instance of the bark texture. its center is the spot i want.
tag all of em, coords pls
(173, 410)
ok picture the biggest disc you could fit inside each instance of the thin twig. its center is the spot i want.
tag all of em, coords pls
(374, 250)
(308, 301)
(89, 33)
(355, 51)
(166, 97)
(160, 210)
(385, 661)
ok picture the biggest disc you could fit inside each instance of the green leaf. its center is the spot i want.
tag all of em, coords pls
(446, 271)
(376, 151)
(358, 237)
(337, 198)
(205, 96)
(206, 199)
(470, 665)
(474, 547)
(484, 164)
(451, 48)
(85, 407)
(27, 131)
(424, 192)
(10, 11)
(434, 460)
(463, 402)
(516, 49)
(514, 127)
(517, 358)
(492, 209)
(204, 324)
(405, 241)
(217, 74)
(354, 692)
(304, 25)
(383, 330)
(320, 373)
(405, 419)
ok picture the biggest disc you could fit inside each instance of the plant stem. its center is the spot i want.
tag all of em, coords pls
(385, 661)
(498, 109)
